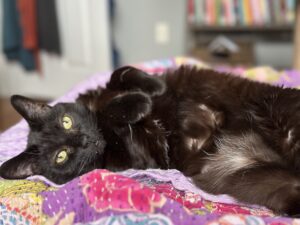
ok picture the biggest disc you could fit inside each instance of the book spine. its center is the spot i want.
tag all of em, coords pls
(191, 12)
(250, 12)
(207, 16)
(241, 12)
(283, 12)
(220, 13)
(227, 12)
(267, 11)
(255, 8)
(199, 12)
(246, 12)
(277, 12)
(232, 12)
(271, 4)
(213, 11)
(291, 7)
(209, 20)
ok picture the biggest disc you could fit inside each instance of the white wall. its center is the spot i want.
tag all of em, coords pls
(85, 38)
(136, 32)
(277, 54)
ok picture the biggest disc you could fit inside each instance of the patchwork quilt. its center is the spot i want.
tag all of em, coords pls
(132, 197)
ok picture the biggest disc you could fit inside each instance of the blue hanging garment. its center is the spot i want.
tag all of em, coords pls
(12, 37)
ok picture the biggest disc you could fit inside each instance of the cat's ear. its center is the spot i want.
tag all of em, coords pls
(128, 108)
(31, 110)
(19, 167)
(128, 78)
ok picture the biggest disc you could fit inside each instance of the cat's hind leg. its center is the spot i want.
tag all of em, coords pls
(198, 124)
(267, 185)
(244, 167)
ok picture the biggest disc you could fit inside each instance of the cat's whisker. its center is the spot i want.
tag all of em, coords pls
(82, 164)
(206, 153)
(130, 130)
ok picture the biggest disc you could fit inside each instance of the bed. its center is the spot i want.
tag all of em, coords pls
(130, 197)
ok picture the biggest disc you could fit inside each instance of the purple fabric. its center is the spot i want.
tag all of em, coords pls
(179, 181)
(74, 201)
(291, 78)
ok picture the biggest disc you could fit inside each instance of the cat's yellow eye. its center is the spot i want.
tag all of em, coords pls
(67, 122)
(61, 157)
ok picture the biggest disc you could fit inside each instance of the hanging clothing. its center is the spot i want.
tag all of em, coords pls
(48, 32)
(28, 21)
(12, 37)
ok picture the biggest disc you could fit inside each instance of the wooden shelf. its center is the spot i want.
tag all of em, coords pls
(244, 29)
(282, 33)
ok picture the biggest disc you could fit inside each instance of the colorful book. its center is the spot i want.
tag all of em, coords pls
(220, 13)
(265, 12)
(277, 12)
(233, 15)
(290, 10)
(214, 11)
(246, 13)
(227, 12)
(256, 13)
(208, 7)
(241, 12)
(199, 12)
(191, 14)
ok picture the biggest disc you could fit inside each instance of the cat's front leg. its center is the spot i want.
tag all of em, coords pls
(128, 108)
(128, 78)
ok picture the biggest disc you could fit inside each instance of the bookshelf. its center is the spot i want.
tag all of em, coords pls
(245, 22)
(241, 12)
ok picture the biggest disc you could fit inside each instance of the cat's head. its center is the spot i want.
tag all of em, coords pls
(99, 130)
(63, 140)
(69, 139)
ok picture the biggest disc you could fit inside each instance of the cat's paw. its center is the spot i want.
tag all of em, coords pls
(129, 107)
(292, 205)
(153, 86)
(90, 99)
(132, 79)
(93, 93)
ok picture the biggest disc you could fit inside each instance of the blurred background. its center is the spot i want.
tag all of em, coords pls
(47, 46)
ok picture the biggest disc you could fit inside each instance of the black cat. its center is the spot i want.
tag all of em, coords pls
(231, 135)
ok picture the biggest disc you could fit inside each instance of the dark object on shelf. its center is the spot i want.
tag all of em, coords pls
(223, 47)
(243, 56)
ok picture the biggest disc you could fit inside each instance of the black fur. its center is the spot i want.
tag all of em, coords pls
(230, 135)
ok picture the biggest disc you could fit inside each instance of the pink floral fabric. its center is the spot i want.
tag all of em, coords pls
(120, 193)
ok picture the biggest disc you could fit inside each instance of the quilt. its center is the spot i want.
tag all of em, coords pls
(131, 197)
